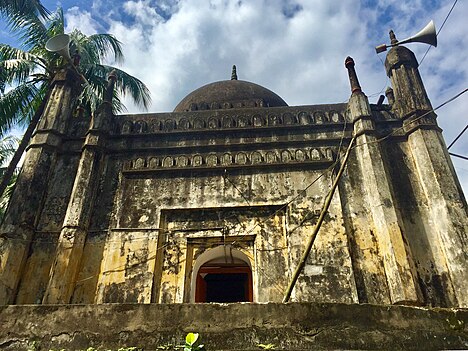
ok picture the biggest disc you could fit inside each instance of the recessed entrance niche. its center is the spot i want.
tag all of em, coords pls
(223, 274)
(207, 252)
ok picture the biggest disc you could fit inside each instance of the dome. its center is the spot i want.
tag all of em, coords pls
(229, 94)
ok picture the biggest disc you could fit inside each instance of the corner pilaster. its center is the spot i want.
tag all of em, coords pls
(398, 266)
(77, 218)
(446, 208)
(17, 230)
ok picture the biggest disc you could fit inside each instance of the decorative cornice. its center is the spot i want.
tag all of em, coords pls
(192, 122)
(209, 161)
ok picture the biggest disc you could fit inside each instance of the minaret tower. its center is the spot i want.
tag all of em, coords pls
(439, 199)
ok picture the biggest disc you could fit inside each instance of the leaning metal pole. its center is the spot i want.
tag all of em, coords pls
(313, 236)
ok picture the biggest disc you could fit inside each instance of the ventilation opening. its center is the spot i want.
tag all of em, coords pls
(224, 284)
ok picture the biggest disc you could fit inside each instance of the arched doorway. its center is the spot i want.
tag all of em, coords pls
(223, 274)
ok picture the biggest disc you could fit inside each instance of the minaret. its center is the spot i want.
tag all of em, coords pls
(440, 198)
(402, 69)
(18, 228)
(382, 220)
(78, 215)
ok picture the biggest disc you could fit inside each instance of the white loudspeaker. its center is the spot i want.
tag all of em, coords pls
(427, 35)
(59, 44)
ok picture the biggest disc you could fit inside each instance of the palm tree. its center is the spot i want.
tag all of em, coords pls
(15, 11)
(8, 146)
(31, 68)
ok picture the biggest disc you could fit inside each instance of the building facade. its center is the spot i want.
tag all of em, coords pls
(216, 201)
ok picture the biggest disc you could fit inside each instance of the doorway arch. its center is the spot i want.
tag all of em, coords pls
(222, 274)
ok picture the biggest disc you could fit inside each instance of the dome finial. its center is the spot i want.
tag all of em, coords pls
(234, 73)
(393, 39)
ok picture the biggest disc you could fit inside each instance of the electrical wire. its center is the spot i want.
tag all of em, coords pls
(225, 176)
(442, 26)
(458, 137)
(459, 156)
(413, 121)
(354, 147)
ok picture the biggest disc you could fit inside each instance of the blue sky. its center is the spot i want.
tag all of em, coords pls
(294, 47)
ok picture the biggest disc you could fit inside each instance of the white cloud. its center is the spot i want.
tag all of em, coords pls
(295, 48)
(82, 20)
(143, 12)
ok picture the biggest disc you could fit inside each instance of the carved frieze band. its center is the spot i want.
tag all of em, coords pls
(230, 121)
(228, 159)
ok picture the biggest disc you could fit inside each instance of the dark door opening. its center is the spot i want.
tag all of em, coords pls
(224, 284)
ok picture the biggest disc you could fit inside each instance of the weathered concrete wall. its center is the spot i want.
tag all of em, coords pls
(129, 205)
(42, 250)
(295, 326)
(161, 209)
(203, 212)
(166, 196)
(421, 228)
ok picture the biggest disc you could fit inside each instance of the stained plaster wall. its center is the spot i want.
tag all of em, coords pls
(42, 251)
(192, 214)
(147, 256)
(421, 227)
(169, 187)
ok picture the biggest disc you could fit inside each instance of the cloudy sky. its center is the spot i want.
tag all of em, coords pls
(294, 47)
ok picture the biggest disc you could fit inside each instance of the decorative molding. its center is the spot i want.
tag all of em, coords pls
(231, 159)
(219, 122)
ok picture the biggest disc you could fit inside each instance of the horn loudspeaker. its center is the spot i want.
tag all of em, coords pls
(59, 44)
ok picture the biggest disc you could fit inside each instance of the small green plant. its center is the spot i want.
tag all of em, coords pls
(267, 346)
(93, 349)
(33, 346)
(190, 341)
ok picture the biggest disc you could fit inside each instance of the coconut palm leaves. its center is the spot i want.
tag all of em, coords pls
(31, 68)
(8, 146)
(15, 11)
(91, 50)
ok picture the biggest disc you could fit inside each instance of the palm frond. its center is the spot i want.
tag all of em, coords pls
(8, 52)
(15, 71)
(11, 7)
(91, 95)
(56, 23)
(8, 146)
(128, 84)
(16, 12)
(42, 88)
(96, 47)
(34, 33)
(33, 68)
(117, 104)
(125, 85)
(17, 105)
(17, 65)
